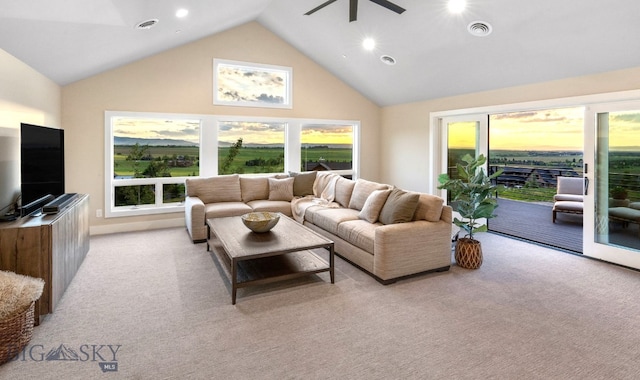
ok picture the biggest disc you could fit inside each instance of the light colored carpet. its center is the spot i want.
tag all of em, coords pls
(527, 313)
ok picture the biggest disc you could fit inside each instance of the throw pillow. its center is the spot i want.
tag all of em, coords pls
(281, 189)
(254, 188)
(344, 189)
(373, 205)
(361, 192)
(224, 188)
(429, 208)
(399, 207)
(303, 183)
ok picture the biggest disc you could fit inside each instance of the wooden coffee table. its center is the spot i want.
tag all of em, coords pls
(250, 258)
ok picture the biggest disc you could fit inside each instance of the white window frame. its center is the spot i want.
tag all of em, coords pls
(208, 156)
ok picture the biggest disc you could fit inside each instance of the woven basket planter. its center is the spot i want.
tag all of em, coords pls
(468, 253)
(15, 333)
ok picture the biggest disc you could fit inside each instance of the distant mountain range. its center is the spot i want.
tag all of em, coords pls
(151, 142)
(128, 141)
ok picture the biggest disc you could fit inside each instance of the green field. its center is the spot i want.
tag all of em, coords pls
(623, 170)
(268, 159)
(123, 167)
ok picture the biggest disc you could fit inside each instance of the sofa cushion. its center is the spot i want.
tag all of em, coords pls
(283, 207)
(344, 190)
(568, 197)
(359, 233)
(373, 205)
(254, 188)
(361, 192)
(303, 183)
(281, 189)
(224, 188)
(429, 208)
(310, 212)
(224, 209)
(329, 218)
(399, 207)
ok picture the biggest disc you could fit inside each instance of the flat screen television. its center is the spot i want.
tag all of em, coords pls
(41, 162)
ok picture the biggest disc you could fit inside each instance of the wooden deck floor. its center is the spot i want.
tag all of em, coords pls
(532, 221)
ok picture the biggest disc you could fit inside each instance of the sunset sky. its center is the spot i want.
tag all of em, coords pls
(188, 130)
(273, 133)
(559, 129)
(231, 131)
(250, 84)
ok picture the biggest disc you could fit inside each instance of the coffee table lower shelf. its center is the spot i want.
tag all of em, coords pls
(268, 269)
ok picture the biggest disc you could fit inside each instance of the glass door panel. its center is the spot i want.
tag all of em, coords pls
(615, 194)
(534, 148)
(462, 139)
(462, 135)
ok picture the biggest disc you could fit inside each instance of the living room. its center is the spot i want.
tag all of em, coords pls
(395, 147)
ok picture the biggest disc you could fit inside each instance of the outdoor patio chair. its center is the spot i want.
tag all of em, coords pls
(569, 196)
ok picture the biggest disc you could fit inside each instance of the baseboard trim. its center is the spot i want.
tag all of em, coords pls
(136, 226)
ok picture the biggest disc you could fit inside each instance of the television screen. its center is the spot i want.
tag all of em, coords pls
(41, 162)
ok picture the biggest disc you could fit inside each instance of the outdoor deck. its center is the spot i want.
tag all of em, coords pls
(532, 221)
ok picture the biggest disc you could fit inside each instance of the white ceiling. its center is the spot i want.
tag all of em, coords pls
(532, 41)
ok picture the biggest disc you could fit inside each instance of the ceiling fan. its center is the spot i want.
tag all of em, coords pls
(353, 7)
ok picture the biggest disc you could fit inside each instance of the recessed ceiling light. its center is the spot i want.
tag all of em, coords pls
(479, 28)
(180, 13)
(457, 6)
(369, 43)
(387, 59)
(148, 24)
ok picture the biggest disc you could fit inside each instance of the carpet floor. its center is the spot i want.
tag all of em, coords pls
(152, 305)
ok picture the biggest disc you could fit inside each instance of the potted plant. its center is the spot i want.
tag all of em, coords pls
(473, 193)
(619, 192)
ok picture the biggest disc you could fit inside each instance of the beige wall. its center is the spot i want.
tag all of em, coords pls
(180, 81)
(405, 128)
(26, 96)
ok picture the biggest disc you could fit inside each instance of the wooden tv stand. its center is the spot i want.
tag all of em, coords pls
(51, 247)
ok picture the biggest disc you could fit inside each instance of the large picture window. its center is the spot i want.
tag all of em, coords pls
(149, 156)
(250, 147)
(326, 147)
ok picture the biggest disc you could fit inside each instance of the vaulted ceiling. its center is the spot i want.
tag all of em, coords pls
(436, 55)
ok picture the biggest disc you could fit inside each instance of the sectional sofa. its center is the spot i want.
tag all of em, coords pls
(386, 231)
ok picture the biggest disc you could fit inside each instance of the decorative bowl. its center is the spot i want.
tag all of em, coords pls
(260, 221)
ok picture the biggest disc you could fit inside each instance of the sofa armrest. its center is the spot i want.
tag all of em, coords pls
(447, 214)
(195, 219)
(407, 248)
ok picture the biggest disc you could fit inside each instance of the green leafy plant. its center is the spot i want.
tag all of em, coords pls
(619, 192)
(473, 193)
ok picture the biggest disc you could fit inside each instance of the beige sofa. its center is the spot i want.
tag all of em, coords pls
(388, 232)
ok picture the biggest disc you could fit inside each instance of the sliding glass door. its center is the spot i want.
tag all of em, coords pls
(461, 135)
(535, 149)
(612, 206)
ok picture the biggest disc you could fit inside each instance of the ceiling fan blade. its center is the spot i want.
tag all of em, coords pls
(353, 10)
(320, 7)
(389, 5)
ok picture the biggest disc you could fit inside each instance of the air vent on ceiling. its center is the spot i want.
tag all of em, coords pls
(148, 24)
(479, 28)
(386, 59)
